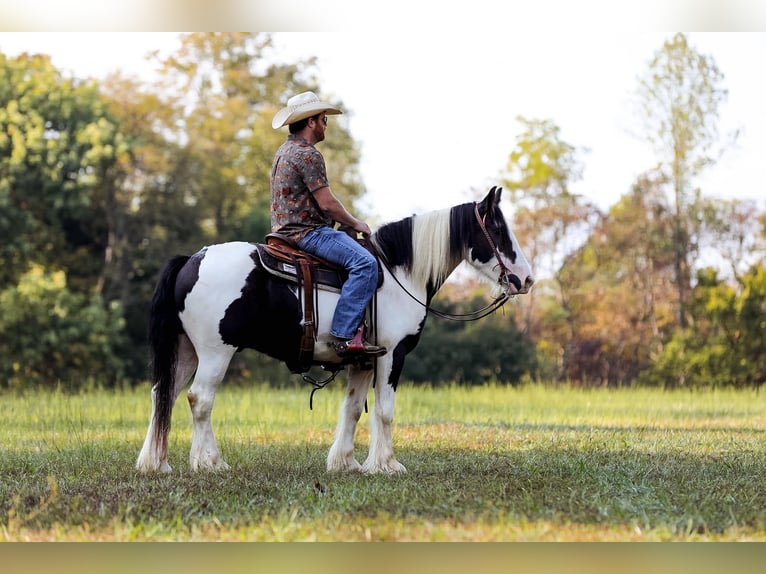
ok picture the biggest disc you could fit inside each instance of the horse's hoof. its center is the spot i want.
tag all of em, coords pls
(210, 466)
(390, 467)
(348, 467)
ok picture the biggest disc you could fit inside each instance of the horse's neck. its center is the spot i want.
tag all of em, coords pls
(434, 280)
(420, 248)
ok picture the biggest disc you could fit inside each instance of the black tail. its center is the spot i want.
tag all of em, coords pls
(164, 329)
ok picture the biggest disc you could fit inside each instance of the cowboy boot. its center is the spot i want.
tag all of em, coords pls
(358, 346)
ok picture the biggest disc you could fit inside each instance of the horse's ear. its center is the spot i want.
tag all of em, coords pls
(492, 200)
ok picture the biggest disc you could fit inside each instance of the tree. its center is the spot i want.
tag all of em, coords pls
(57, 141)
(550, 221)
(725, 346)
(151, 205)
(101, 183)
(679, 97)
(623, 273)
(732, 230)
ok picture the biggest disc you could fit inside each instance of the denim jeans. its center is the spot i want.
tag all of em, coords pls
(337, 247)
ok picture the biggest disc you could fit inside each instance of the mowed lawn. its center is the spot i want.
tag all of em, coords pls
(484, 464)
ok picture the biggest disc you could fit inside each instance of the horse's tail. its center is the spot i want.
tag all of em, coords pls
(164, 329)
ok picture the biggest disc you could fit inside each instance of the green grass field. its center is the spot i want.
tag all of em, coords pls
(485, 464)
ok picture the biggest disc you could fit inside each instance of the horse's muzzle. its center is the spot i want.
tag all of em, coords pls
(512, 284)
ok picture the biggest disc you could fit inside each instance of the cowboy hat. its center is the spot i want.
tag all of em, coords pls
(300, 107)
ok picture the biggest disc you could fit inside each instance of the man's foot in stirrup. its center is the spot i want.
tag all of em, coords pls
(350, 349)
(357, 347)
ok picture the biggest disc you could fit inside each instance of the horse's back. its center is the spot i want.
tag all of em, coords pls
(220, 266)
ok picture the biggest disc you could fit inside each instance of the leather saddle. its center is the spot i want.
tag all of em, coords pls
(281, 257)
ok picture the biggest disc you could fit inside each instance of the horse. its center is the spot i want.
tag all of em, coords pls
(210, 305)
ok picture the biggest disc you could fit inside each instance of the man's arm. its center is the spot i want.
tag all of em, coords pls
(332, 206)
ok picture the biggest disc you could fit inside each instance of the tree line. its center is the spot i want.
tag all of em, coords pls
(665, 288)
(102, 180)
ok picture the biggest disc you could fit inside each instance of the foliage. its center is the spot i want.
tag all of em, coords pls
(615, 301)
(726, 342)
(52, 336)
(57, 141)
(551, 223)
(490, 463)
(625, 264)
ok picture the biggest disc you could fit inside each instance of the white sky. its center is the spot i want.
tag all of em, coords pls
(435, 112)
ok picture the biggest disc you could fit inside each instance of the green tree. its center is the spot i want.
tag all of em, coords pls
(733, 230)
(679, 97)
(199, 160)
(725, 346)
(101, 183)
(57, 142)
(152, 211)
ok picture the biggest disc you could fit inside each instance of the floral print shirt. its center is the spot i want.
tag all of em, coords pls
(298, 171)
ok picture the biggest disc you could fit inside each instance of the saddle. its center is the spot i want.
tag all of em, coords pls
(281, 257)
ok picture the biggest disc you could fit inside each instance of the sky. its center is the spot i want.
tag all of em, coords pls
(435, 112)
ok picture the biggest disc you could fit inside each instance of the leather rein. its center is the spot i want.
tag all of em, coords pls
(493, 306)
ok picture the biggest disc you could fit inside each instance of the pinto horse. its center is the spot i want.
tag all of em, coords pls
(209, 305)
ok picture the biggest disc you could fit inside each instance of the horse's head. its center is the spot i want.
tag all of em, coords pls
(493, 249)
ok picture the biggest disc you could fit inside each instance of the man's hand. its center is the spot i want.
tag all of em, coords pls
(363, 228)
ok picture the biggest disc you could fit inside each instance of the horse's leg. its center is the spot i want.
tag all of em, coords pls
(153, 456)
(381, 456)
(341, 455)
(212, 367)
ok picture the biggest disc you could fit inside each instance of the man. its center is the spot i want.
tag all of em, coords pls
(304, 209)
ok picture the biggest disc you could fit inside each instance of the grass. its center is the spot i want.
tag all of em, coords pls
(485, 464)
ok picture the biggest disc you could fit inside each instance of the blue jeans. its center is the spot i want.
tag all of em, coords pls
(339, 248)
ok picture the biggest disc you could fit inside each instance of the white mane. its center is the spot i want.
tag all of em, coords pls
(432, 260)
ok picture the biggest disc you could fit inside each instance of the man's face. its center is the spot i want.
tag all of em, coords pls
(319, 126)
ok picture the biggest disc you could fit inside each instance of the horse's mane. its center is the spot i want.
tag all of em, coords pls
(429, 246)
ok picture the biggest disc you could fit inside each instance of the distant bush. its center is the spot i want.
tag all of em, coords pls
(471, 353)
(50, 335)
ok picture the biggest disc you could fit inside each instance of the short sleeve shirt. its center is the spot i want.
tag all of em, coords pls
(298, 171)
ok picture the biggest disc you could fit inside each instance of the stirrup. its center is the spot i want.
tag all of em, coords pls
(363, 348)
(358, 346)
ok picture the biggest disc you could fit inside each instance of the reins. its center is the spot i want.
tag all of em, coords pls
(498, 302)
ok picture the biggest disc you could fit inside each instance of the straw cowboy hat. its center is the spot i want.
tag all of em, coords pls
(300, 107)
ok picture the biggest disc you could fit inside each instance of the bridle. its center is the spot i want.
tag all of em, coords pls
(503, 280)
(505, 273)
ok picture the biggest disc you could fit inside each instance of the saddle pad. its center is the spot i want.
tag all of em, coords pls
(325, 279)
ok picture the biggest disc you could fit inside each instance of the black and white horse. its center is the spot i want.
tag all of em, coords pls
(208, 306)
